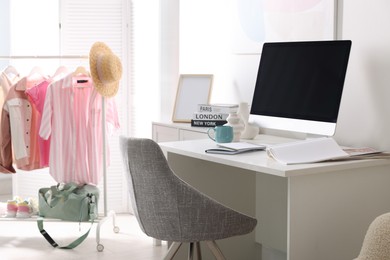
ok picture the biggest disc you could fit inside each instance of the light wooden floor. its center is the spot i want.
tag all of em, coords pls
(22, 240)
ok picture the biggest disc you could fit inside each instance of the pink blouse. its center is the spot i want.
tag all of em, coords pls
(37, 96)
(72, 117)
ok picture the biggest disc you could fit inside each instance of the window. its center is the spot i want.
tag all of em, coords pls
(81, 24)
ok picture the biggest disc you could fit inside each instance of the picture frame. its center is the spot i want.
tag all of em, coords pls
(192, 90)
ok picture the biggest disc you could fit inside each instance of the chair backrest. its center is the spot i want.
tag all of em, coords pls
(152, 186)
(376, 244)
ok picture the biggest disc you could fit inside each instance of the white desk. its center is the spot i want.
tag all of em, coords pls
(311, 211)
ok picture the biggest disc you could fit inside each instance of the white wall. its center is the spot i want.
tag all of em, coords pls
(365, 112)
(196, 38)
(206, 47)
(169, 56)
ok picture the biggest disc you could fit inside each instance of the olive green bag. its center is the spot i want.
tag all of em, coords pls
(68, 202)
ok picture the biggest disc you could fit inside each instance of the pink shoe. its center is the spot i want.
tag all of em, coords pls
(12, 208)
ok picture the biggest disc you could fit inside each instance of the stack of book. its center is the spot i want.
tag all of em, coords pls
(212, 115)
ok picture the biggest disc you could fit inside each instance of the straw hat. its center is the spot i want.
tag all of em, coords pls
(106, 69)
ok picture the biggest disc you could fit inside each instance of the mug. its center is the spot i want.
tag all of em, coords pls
(221, 134)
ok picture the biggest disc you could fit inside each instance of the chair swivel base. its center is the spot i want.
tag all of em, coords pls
(174, 248)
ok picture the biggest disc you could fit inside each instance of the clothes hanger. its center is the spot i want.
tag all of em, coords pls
(60, 72)
(10, 70)
(36, 74)
(80, 70)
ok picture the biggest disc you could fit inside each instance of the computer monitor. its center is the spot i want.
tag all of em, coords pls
(299, 86)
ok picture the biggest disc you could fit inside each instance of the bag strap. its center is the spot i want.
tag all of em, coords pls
(51, 241)
(63, 190)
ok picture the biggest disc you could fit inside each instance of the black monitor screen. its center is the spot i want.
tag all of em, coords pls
(301, 80)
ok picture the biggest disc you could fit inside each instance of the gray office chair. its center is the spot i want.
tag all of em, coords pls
(169, 209)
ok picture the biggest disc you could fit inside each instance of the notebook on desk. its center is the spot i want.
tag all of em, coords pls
(235, 148)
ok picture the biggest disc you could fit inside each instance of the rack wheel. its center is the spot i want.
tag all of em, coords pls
(100, 247)
(116, 229)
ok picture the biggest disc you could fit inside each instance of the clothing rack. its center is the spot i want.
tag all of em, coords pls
(14, 57)
(107, 214)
